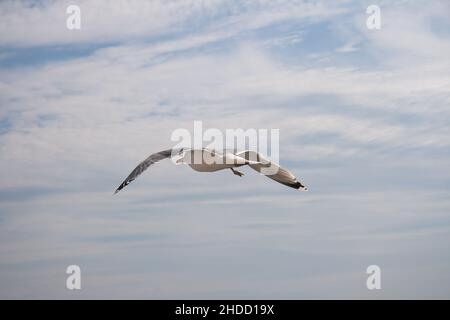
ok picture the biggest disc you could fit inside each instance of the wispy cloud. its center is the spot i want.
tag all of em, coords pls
(363, 117)
(28, 23)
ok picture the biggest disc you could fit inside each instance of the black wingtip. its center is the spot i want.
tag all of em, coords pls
(300, 186)
(119, 188)
(123, 185)
(297, 185)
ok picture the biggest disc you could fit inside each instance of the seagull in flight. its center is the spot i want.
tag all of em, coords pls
(205, 160)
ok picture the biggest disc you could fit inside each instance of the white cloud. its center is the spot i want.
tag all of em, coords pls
(113, 97)
(105, 21)
(407, 37)
(369, 141)
(348, 47)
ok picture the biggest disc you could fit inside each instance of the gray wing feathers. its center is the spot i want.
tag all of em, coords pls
(144, 165)
(282, 176)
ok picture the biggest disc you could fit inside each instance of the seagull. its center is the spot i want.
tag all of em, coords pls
(205, 160)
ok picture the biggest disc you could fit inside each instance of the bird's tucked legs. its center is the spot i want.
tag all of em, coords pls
(240, 174)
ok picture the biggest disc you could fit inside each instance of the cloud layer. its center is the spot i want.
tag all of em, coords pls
(363, 118)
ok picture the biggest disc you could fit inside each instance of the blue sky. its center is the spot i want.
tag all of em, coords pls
(363, 118)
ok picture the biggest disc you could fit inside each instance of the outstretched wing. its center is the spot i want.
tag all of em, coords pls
(145, 164)
(281, 175)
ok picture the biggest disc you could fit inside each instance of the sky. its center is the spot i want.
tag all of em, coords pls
(364, 118)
